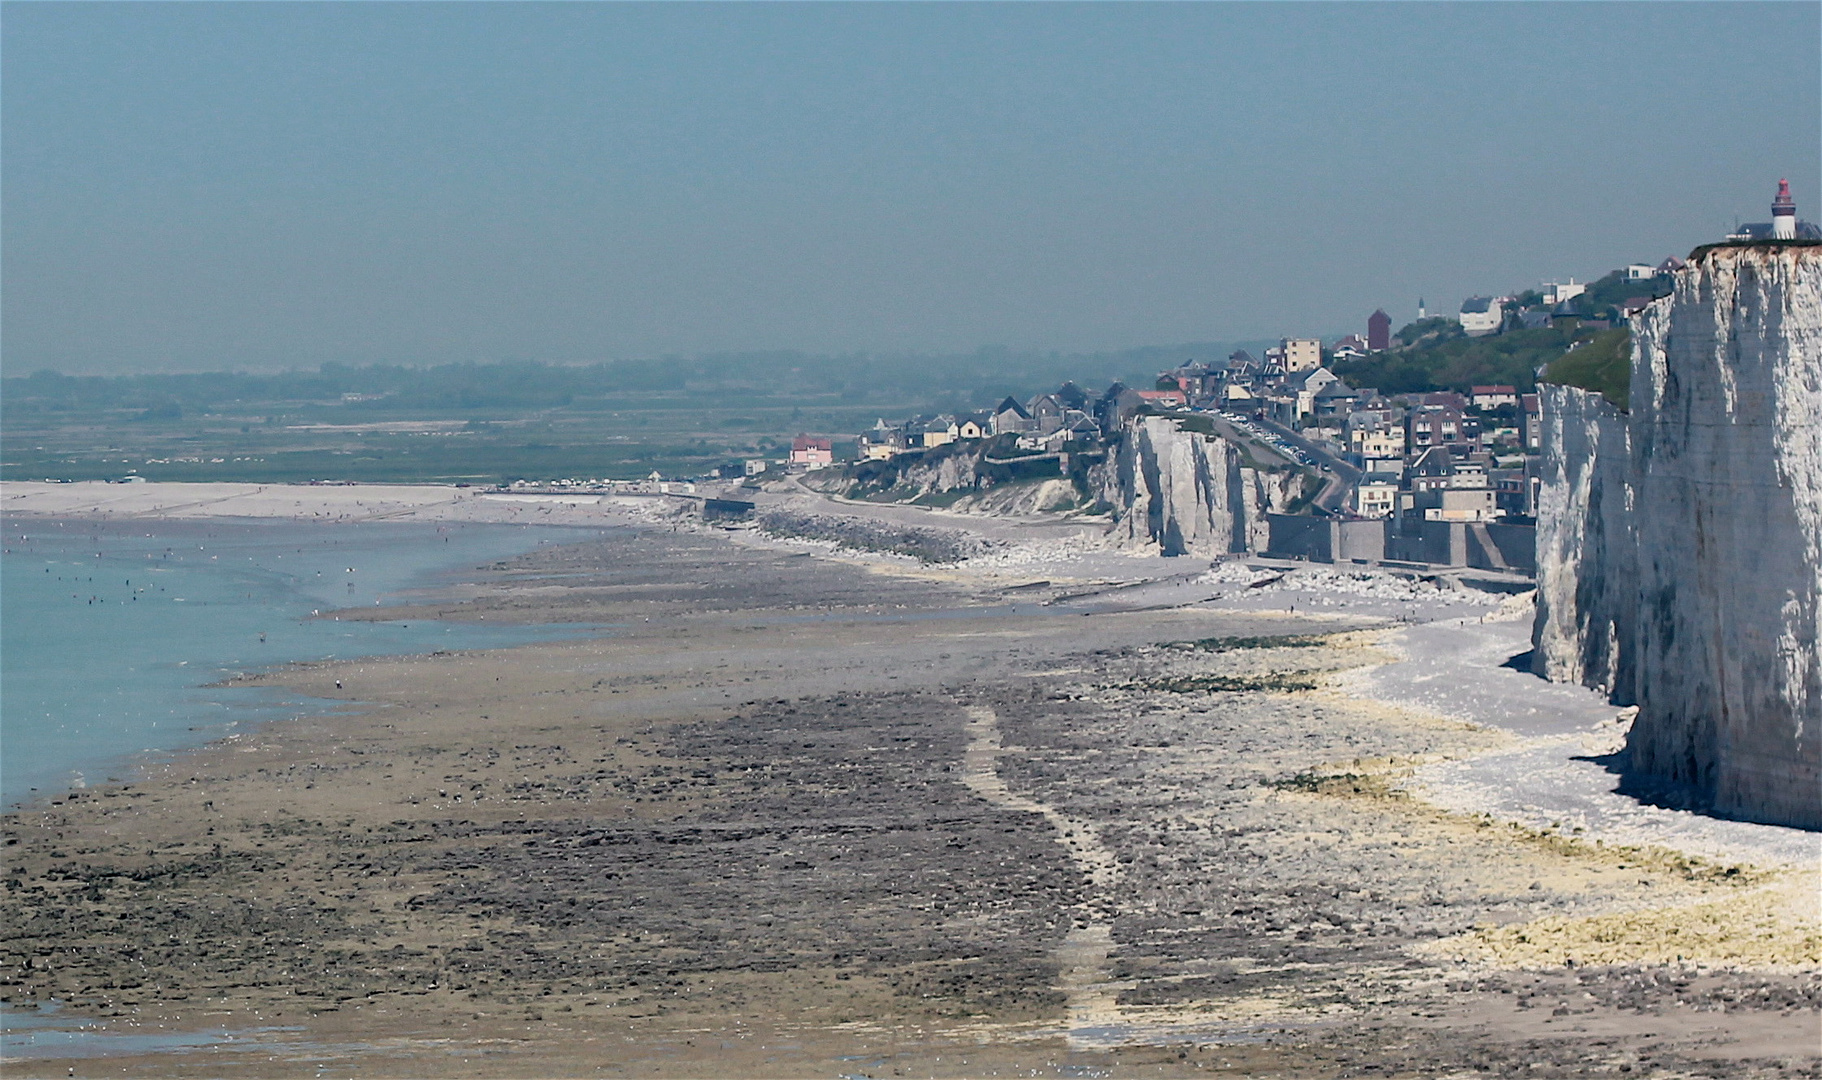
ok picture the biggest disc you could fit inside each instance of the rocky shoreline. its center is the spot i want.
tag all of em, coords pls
(789, 815)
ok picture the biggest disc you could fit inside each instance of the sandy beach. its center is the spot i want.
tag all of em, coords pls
(794, 810)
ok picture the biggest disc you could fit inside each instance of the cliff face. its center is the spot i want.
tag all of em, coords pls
(1188, 493)
(1587, 586)
(1727, 459)
(1722, 570)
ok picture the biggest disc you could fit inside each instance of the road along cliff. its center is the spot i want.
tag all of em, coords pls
(1680, 544)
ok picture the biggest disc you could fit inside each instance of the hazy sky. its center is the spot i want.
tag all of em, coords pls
(205, 186)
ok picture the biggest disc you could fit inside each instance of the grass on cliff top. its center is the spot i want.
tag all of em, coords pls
(1602, 366)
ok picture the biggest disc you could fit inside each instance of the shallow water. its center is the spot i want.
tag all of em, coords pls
(110, 635)
(46, 1032)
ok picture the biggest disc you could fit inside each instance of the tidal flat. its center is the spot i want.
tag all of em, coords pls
(806, 816)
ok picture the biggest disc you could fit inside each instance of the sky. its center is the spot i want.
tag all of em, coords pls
(199, 187)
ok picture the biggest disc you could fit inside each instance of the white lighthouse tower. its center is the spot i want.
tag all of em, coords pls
(1783, 214)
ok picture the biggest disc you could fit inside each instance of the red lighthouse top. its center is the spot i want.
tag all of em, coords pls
(1783, 204)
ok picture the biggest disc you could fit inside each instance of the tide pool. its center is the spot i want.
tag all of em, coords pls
(111, 634)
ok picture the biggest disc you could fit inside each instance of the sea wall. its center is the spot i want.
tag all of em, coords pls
(1185, 492)
(1689, 580)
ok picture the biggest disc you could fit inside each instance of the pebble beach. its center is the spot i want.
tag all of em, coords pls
(796, 808)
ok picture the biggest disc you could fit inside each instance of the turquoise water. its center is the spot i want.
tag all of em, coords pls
(111, 634)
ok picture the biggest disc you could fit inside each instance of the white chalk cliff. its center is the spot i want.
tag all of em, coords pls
(1680, 547)
(1586, 595)
(1184, 492)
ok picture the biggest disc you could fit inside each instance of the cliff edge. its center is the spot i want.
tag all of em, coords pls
(1680, 545)
(1189, 492)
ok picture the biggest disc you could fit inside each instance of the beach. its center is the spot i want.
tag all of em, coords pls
(795, 809)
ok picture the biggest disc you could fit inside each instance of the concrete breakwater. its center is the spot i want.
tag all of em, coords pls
(1680, 545)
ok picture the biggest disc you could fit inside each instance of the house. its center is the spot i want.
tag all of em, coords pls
(1514, 492)
(1196, 379)
(1009, 416)
(1439, 425)
(1632, 305)
(882, 441)
(1482, 315)
(1468, 474)
(1492, 397)
(1534, 319)
(974, 426)
(1640, 271)
(1301, 354)
(1532, 429)
(943, 429)
(1115, 406)
(1559, 292)
(812, 451)
(1452, 504)
(1378, 441)
(1670, 266)
(1164, 399)
(1305, 385)
(1430, 469)
(1352, 347)
(1375, 498)
(1335, 399)
(1079, 428)
(1046, 412)
(1379, 331)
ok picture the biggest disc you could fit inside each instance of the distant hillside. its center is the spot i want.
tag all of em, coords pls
(1434, 354)
(489, 423)
(496, 390)
(1441, 357)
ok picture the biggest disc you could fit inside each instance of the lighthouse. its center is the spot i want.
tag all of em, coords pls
(1783, 214)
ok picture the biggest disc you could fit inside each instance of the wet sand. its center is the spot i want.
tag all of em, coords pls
(796, 816)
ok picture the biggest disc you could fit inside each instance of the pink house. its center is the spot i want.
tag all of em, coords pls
(813, 451)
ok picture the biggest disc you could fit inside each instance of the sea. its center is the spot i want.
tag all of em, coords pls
(114, 638)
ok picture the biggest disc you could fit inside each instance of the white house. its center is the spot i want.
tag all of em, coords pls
(1309, 386)
(1482, 315)
(1375, 498)
(1492, 397)
(1555, 292)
